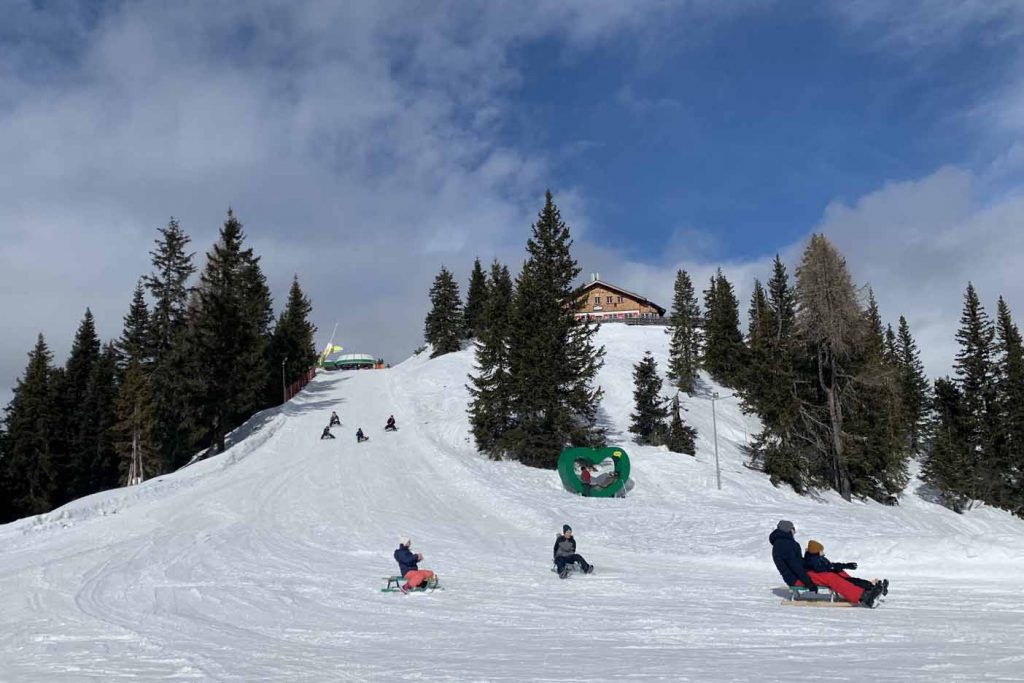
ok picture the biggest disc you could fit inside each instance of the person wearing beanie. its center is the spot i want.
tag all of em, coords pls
(565, 553)
(816, 562)
(787, 558)
(408, 565)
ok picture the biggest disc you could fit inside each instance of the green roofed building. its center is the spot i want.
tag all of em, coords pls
(349, 361)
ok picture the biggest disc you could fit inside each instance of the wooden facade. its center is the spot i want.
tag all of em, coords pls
(607, 303)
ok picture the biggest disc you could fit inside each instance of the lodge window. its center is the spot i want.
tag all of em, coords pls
(608, 300)
(620, 299)
(597, 301)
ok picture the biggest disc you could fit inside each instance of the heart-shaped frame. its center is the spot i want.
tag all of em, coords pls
(593, 456)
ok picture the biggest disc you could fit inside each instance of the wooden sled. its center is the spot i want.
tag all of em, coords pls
(799, 596)
(395, 584)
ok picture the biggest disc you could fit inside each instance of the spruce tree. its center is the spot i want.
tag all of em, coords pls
(444, 327)
(76, 438)
(684, 327)
(681, 437)
(651, 410)
(948, 462)
(782, 301)
(914, 388)
(99, 454)
(135, 426)
(974, 368)
(552, 357)
(476, 297)
(169, 380)
(724, 354)
(756, 384)
(136, 342)
(490, 410)
(1009, 390)
(227, 338)
(30, 420)
(292, 342)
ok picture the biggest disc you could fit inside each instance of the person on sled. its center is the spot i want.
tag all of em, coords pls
(786, 555)
(335, 420)
(391, 426)
(326, 434)
(565, 553)
(814, 561)
(408, 566)
(360, 437)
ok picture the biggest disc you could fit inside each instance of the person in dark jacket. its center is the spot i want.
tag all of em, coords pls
(327, 433)
(814, 561)
(565, 553)
(360, 437)
(335, 420)
(391, 426)
(786, 555)
(408, 565)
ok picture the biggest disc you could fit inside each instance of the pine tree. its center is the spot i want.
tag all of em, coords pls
(490, 411)
(76, 438)
(135, 426)
(99, 454)
(974, 368)
(28, 467)
(684, 326)
(444, 327)
(756, 384)
(651, 410)
(948, 463)
(170, 381)
(681, 437)
(552, 357)
(723, 350)
(830, 323)
(292, 342)
(136, 342)
(782, 301)
(476, 297)
(1009, 391)
(227, 337)
(914, 388)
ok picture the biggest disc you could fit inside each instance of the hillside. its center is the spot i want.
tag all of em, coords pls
(264, 563)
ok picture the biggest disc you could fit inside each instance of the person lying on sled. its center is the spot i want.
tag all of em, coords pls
(787, 558)
(814, 561)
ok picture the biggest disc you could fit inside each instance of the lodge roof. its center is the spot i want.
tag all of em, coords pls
(615, 288)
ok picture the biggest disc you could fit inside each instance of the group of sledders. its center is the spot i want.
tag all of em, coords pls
(564, 557)
(813, 569)
(390, 426)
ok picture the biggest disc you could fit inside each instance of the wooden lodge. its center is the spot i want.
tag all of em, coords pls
(604, 302)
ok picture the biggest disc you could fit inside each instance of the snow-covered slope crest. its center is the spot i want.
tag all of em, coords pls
(264, 563)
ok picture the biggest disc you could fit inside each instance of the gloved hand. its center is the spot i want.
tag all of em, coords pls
(419, 557)
(850, 565)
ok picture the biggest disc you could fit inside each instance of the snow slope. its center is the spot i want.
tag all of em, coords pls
(264, 563)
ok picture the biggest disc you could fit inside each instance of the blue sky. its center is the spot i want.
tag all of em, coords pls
(366, 144)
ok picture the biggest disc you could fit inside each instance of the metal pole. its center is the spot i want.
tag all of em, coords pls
(284, 388)
(714, 425)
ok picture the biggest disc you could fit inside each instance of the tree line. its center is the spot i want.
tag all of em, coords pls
(194, 360)
(841, 394)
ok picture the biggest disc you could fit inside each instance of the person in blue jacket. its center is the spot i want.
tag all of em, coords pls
(408, 565)
(787, 558)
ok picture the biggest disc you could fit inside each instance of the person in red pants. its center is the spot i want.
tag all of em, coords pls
(408, 565)
(789, 562)
(814, 561)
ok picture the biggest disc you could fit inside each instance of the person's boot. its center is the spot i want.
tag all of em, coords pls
(588, 569)
(885, 586)
(870, 595)
(563, 572)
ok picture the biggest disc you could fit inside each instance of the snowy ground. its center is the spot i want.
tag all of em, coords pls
(265, 562)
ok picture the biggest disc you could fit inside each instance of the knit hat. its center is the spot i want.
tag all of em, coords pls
(814, 547)
(404, 540)
(786, 525)
(566, 527)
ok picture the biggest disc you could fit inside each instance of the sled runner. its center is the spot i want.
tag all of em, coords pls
(798, 596)
(395, 585)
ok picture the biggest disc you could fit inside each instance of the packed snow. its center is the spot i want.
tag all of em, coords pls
(266, 562)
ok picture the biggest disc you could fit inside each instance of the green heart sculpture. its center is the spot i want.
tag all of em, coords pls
(593, 456)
